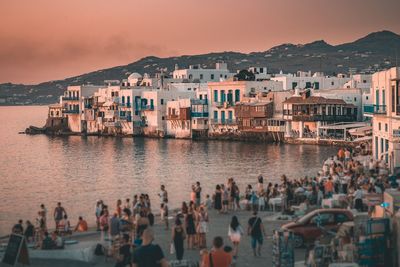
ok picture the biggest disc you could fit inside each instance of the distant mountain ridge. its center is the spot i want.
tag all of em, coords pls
(373, 52)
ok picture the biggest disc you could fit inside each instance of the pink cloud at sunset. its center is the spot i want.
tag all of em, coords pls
(46, 40)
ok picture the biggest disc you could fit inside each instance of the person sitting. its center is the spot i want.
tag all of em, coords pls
(81, 226)
(47, 242)
(58, 240)
(125, 256)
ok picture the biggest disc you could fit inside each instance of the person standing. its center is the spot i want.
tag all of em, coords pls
(202, 227)
(114, 226)
(59, 213)
(148, 254)
(256, 231)
(198, 194)
(225, 199)
(218, 198)
(190, 228)
(18, 228)
(217, 257)
(235, 233)
(98, 211)
(43, 212)
(178, 236)
(163, 196)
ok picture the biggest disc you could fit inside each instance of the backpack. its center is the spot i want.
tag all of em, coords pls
(99, 250)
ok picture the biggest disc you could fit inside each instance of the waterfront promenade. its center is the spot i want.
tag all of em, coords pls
(218, 226)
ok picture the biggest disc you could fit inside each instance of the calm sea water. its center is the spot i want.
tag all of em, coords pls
(79, 170)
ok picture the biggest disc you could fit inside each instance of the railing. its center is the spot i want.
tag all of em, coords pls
(172, 117)
(199, 101)
(338, 118)
(112, 124)
(71, 111)
(199, 114)
(128, 105)
(223, 122)
(147, 107)
(70, 98)
(374, 109)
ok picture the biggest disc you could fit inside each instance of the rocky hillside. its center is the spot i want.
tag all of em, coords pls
(373, 52)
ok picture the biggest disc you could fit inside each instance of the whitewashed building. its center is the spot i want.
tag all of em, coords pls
(386, 116)
(196, 73)
(304, 80)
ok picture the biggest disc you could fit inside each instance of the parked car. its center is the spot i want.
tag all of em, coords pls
(312, 225)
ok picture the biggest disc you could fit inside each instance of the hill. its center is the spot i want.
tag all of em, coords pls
(371, 53)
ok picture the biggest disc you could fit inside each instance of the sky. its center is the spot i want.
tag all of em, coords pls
(44, 40)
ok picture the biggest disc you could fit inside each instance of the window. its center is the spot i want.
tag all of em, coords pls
(215, 115)
(162, 101)
(332, 83)
(323, 219)
(379, 126)
(215, 95)
(308, 84)
(386, 127)
(261, 70)
(123, 99)
(294, 85)
(366, 97)
(341, 218)
(355, 99)
(212, 76)
(316, 85)
(237, 95)
(201, 76)
(162, 118)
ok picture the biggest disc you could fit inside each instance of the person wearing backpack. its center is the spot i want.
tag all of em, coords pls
(256, 231)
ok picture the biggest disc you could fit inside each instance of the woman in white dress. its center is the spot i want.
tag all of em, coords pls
(235, 233)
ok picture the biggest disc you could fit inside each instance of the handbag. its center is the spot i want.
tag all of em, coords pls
(172, 248)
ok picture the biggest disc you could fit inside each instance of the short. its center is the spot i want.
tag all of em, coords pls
(255, 240)
(198, 202)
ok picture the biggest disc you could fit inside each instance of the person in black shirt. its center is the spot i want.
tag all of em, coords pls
(29, 231)
(124, 253)
(148, 254)
(256, 231)
(18, 228)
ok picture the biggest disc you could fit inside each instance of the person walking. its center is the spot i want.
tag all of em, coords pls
(178, 236)
(217, 257)
(235, 233)
(202, 227)
(198, 194)
(256, 231)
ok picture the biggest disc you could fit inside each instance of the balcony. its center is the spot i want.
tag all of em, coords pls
(125, 105)
(71, 111)
(330, 118)
(147, 107)
(223, 122)
(70, 98)
(374, 109)
(112, 124)
(199, 101)
(199, 114)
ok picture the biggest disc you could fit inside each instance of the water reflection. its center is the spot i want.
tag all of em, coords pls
(79, 170)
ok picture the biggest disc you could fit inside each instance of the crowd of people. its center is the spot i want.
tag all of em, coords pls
(128, 226)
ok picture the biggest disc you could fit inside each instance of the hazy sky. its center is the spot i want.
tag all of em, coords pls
(43, 40)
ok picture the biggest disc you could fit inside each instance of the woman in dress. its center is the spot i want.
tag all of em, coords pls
(218, 199)
(190, 228)
(202, 227)
(235, 233)
(178, 235)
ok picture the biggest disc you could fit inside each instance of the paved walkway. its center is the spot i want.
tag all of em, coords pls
(218, 226)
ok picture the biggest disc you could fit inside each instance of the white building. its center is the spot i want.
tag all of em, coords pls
(73, 106)
(153, 109)
(260, 73)
(304, 80)
(196, 73)
(179, 118)
(386, 116)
